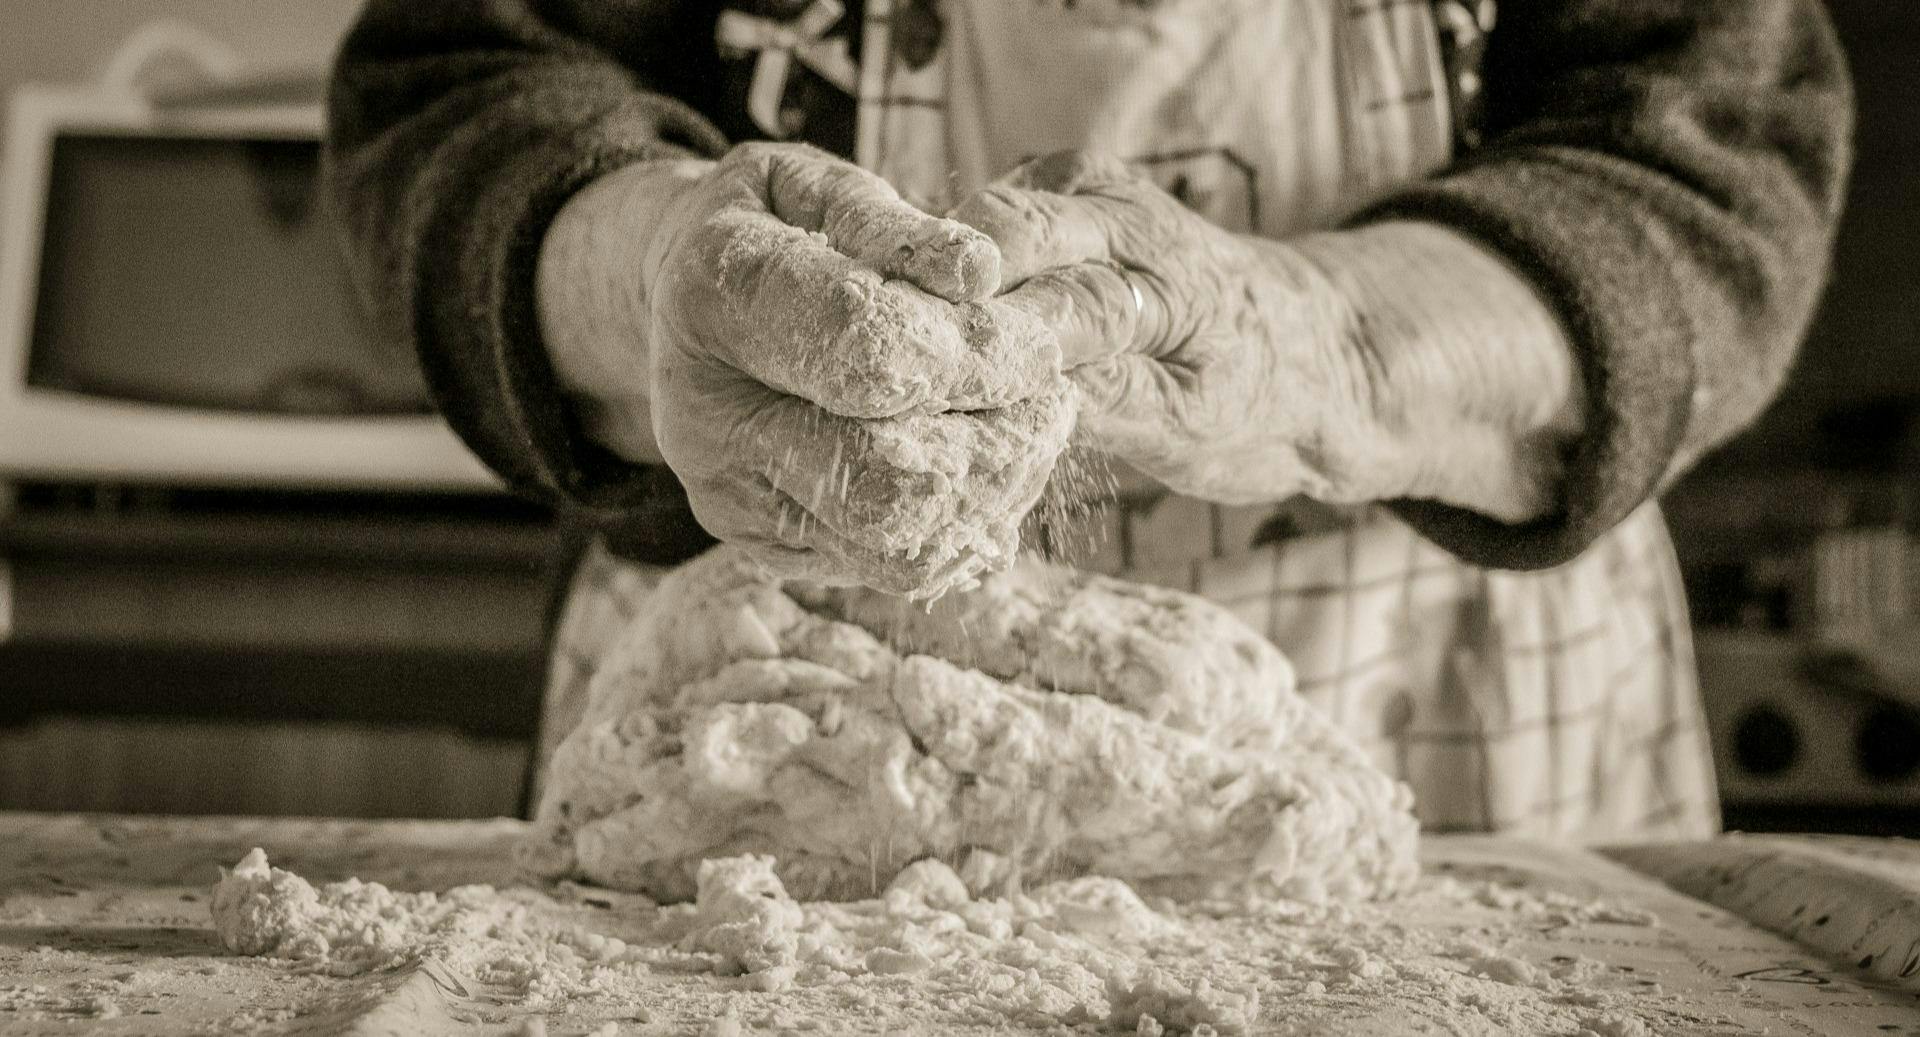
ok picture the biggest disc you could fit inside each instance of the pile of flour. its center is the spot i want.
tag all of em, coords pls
(1078, 955)
(1046, 723)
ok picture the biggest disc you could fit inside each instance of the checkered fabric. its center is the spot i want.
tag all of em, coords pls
(1560, 703)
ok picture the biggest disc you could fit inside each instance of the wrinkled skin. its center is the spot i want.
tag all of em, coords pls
(1239, 375)
(833, 381)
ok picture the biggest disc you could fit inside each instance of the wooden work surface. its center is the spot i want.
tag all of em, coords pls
(104, 928)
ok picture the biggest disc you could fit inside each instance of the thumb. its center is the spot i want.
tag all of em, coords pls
(1125, 405)
(1042, 214)
(1097, 310)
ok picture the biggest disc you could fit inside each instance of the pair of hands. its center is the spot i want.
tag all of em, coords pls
(851, 387)
(834, 381)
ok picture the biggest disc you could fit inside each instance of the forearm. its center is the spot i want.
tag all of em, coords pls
(594, 276)
(457, 133)
(1670, 184)
(1469, 381)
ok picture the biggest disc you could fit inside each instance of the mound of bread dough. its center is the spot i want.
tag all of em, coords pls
(1044, 724)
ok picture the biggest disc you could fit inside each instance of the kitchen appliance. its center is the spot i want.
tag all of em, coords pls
(1813, 736)
(173, 306)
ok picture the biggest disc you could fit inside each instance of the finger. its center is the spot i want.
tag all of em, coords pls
(748, 510)
(808, 320)
(865, 218)
(987, 468)
(911, 506)
(1096, 310)
(926, 487)
(1072, 172)
(1035, 230)
(1053, 211)
(1126, 405)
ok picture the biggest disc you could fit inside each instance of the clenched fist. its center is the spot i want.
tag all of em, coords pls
(820, 363)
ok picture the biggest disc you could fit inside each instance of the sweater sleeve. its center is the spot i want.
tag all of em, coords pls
(1668, 174)
(457, 129)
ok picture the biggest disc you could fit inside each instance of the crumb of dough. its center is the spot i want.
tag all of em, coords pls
(745, 915)
(100, 1007)
(1171, 1004)
(351, 927)
(344, 927)
(1047, 723)
(258, 909)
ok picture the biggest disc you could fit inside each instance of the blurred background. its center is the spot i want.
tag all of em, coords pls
(188, 623)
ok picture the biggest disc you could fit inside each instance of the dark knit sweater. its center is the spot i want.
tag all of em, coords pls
(1668, 172)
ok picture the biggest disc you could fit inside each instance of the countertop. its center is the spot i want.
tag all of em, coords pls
(105, 928)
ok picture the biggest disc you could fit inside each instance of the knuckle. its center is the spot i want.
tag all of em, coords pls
(1002, 212)
(1102, 384)
(1021, 225)
(761, 163)
(711, 237)
(757, 153)
(719, 252)
(750, 164)
(1069, 172)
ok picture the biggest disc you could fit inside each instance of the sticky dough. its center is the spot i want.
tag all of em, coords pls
(1046, 723)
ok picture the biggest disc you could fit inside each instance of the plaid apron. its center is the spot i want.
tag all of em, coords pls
(1558, 704)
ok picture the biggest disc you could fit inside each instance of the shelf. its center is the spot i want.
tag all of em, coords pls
(480, 694)
(352, 653)
(280, 539)
(1838, 818)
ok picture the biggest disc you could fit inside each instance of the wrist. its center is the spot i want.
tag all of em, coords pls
(599, 263)
(1470, 381)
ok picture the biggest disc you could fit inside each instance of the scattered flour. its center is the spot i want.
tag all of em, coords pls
(1046, 723)
(1613, 1024)
(1083, 955)
(101, 1007)
(349, 928)
(1556, 908)
(96, 999)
